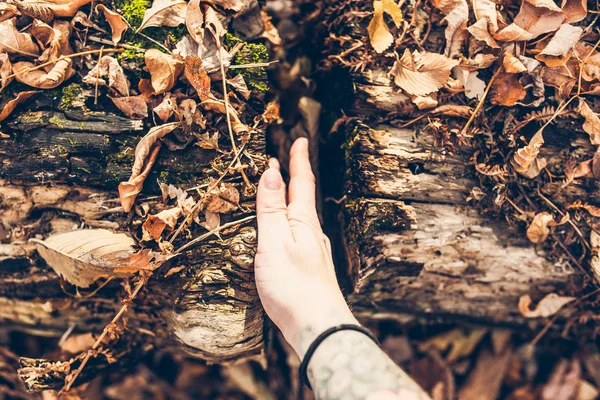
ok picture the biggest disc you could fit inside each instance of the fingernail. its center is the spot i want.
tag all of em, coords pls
(272, 179)
(274, 163)
(303, 142)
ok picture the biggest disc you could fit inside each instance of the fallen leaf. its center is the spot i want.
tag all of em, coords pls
(538, 230)
(575, 10)
(219, 106)
(164, 69)
(78, 343)
(155, 225)
(81, 257)
(212, 221)
(595, 257)
(539, 16)
(379, 33)
(194, 21)
(564, 381)
(422, 73)
(425, 102)
(117, 23)
(82, 19)
(164, 13)
(186, 111)
(486, 24)
(16, 43)
(587, 391)
(12, 104)
(133, 106)
(507, 90)
(239, 85)
(166, 108)
(512, 64)
(474, 86)
(461, 343)
(48, 78)
(480, 31)
(513, 33)
(485, 380)
(547, 307)
(208, 141)
(591, 124)
(456, 16)
(525, 161)
(5, 71)
(108, 67)
(197, 76)
(222, 199)
(145, 155)
(271, 33)
(557, 51)
(593, 210)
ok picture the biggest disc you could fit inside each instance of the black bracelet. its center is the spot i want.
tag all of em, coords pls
(324, 335)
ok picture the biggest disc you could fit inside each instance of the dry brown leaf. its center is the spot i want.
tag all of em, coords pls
(239, 85)
(222, 199)
(5, 71)
(155, 225)
(186, 111)
(117, 23)
(166, 108)
(146, 152)
(146, 89)
(456, 16)
(81, 257)
(48, 78)
(479, 30)
(547, 307)
(12, 104)
(14, 42)
(563, 382)
(212, 221)
(539, 16)
(108, 67)
(271, 33)
(422, 73)
(133, 106)
(194, 21)
(486, 24)
(473, 85)
(485, 380)
(538, 230)
(512, 64)
(507, 90)
(513, 33)
(558, 50)
(164, 13)
(525, 161)
(164, 69)
(197, 76)
(78, 343)
(593, 210)
(219, 106)
(595, 258)
(591, 124)
(480, 61)
(425, 102)
(461, 343)
(379, 33)
(575, 10)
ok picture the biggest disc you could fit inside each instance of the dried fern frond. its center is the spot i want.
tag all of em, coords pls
(38, 10)
(593, 210)
(525, 160)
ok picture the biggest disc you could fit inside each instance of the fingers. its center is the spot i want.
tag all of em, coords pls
(271, 210)
(302, 183)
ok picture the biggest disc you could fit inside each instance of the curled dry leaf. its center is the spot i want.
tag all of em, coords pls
(538, 230)
(197, 76)
(164, 69)
(474, 86)
(14, 42)
(422, 73)
(379, 33)
(82, 257)
(117, 23)
(513, 33)
(219, 106)
(49, 78)
(512, 64)
(558, 50)
(486, 24)
(166, 108)
(78, 343)
(5, 71)
(12, 104)
(186, 111)
(155, 225)
(535, 17)
(575, 10)
(547, 307)
(194, 21)
(222, 199)
(239, 85)
(456, 16)
(212, 221)
(132, 106)
(507, 90)
(108, 67)
(593, 210)
(525, 161)
(145, 155)
(591, 124)
(164, 13)
(595, 259)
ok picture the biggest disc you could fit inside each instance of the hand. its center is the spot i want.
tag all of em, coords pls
(294, 270)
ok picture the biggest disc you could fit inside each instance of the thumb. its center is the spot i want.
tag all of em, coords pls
(271, 211)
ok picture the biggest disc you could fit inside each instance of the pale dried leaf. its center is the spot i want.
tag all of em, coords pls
(425, 102)
(219, 106)
(239, 85)
(538, 230)
(155, 225)
(512, 64)
(422, 73)
(108, 67)
(379, 34)
(525, 161)
(12, 104)
(486, 10)
(166, 108)
(48, 78)
(194, 21)
(473, 85)
(591, 124)
(563, 382)
(558, 50)
(222, 199)
(392, 8)
(539, 16)
(587, 391)
(461, 343)
(133, 106)
(164, 69)
(5, 71)
(14, 42)
(575, 10)
(595, 258)
(82, 257)
(485, 380)
(547, 307)
(117, 23)
(145, 156)
(186, 111)
(513, 33)
(78, 343)
(164, 13)
(456, 16)
(480, 31)
(197, 77)
(212, 220)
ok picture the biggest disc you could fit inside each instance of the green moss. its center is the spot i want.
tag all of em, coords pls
(133, 10)
(69, 97)
(252, 53)
(55, 120)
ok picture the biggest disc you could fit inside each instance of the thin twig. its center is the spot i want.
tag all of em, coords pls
(216, 230)
(83, 53)
(254, 65)
(481, 101)
(110, 42)
(97, 77)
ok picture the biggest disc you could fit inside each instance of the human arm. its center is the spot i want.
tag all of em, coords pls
(298, 288)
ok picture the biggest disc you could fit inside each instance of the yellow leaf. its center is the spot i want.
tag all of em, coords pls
(422, 73)
(592, 122)
(379, 34)
(547, 307)
(538, 230)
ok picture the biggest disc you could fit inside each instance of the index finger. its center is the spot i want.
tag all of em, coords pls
(302, 187)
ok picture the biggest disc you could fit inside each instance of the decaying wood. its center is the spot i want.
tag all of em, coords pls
(60, 172)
